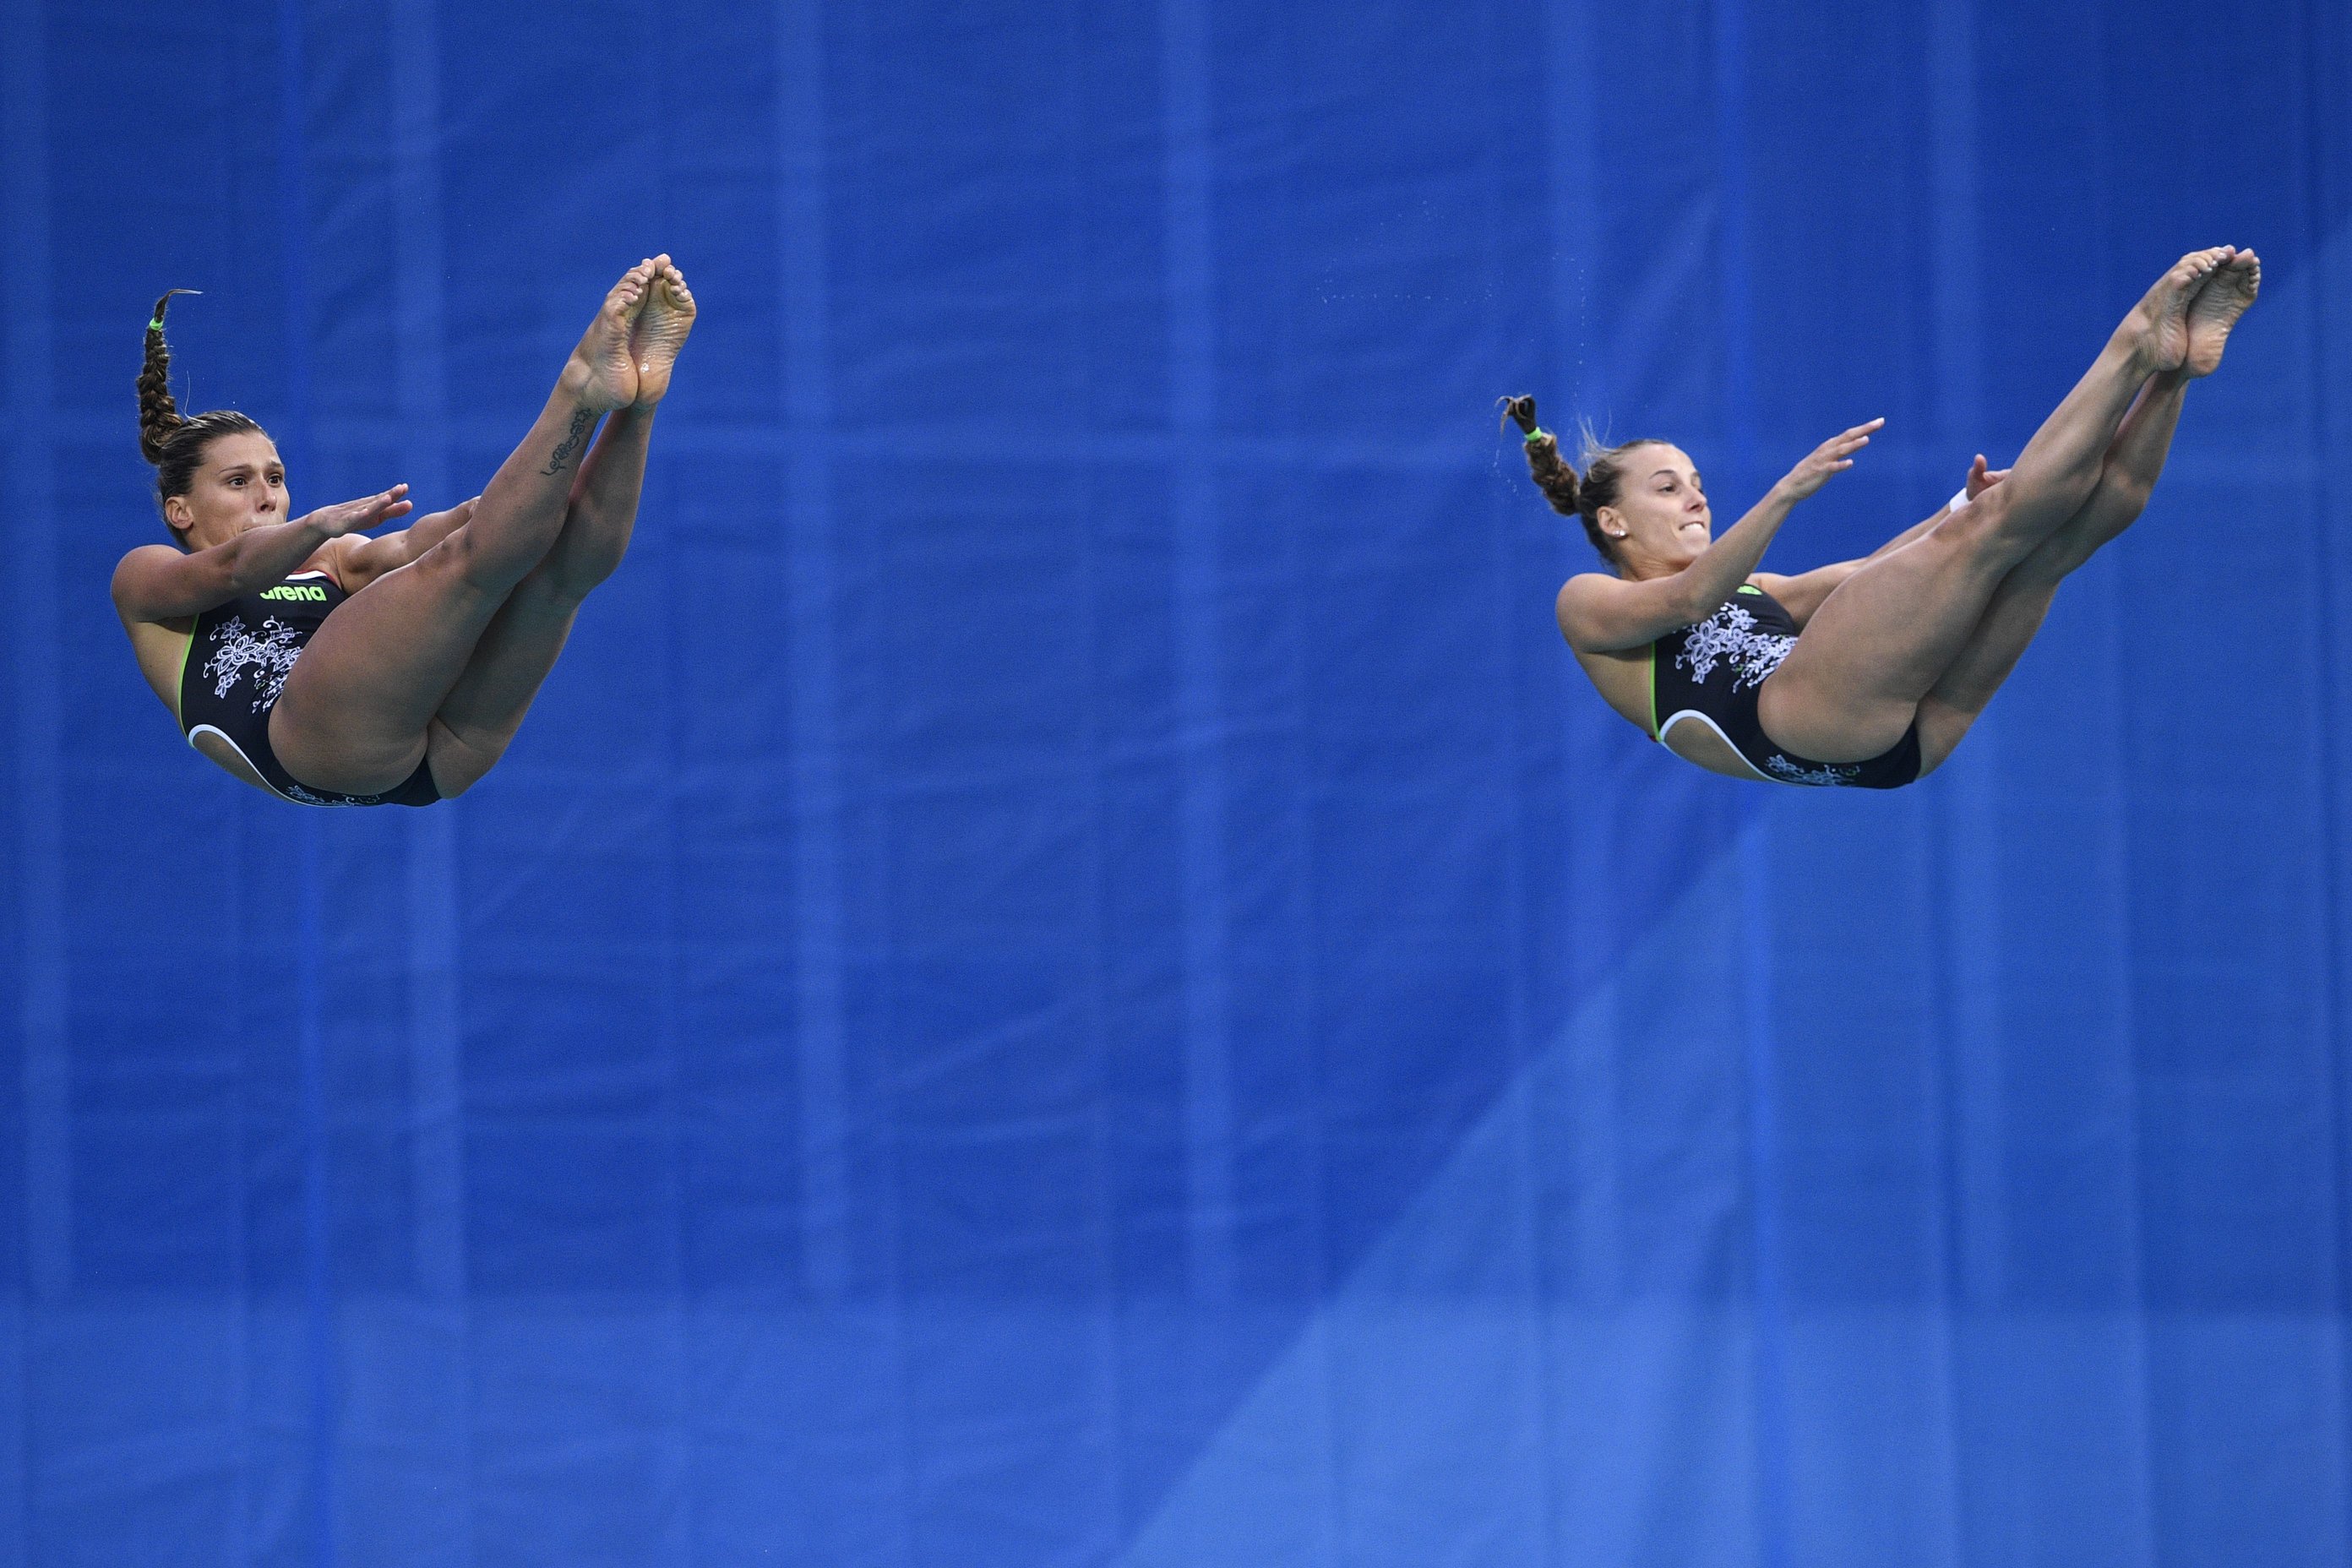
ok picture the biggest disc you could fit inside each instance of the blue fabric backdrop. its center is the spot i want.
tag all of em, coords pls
(1065, 971)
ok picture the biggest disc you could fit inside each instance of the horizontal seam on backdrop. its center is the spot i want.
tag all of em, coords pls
(1888, 459)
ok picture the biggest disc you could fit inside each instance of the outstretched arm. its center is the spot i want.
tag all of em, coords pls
(1800, 594)
(1600, 614)
(157, 582)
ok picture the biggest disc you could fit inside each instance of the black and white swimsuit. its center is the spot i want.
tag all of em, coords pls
(1710, 673)
(237, 661)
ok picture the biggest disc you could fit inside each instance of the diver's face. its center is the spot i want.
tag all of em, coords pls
(1660, 515)
(240, 484)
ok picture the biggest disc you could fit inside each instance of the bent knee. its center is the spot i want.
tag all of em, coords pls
(2013, 517)
(1942, 727)
(490, 566)
(1991, 532)
(459, 761)
(567, 576)
(1984, 520)
(2119, 502)
(458, 568)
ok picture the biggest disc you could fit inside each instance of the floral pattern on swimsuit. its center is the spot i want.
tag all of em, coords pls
(1780, 767)
(1729, 635)
(274, 651)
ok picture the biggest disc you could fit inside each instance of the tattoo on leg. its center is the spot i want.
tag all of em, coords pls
(570, 442)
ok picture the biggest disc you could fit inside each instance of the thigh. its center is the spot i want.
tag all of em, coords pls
(353, 714)
(486, 706)
(1878, 644)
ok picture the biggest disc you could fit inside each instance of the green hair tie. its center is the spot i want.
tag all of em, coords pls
(1536, 435)
(156, 326)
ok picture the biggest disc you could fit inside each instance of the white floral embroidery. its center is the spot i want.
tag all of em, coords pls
(273, 654)
(1729, 637)
(1780, 767)
(311, 797)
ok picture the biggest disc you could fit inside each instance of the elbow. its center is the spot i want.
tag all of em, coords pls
(1691, 608)
(226, 575)
(226, 582)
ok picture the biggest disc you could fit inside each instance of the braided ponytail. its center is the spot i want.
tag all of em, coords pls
(1570, 495)
(159, 417)
(176, 446)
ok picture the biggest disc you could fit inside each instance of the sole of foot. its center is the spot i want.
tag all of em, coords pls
(660, 329)
(2231, 287)
(2162, 317)
(603, 373)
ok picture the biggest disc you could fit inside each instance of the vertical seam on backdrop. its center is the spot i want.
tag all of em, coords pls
(1523, 959)
(435, 995)
(1084, 484)
(1573, 173)
(1308, 987)
(43, 988)
(1970, 898)
(677, 1387)
(2324, 248)
(436, 1020)
(1572, 168)
(41, 979)
(1965, 889)
(293, 215)
(1768, 1304)
(1329, 1541)
(1185, 92)
(239, 1309)
(1533, 1441)
(819, 1020)
(674, 1410)
(2117, 760)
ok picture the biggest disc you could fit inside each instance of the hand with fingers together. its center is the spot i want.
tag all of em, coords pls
(359, 516)
(1830, 458)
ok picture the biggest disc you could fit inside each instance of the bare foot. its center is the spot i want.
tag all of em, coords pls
(661, 331)
(602, 374)
(2160, 321)
(2216, 308)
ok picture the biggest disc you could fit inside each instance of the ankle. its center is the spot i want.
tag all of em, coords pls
(578, 374)
(2135, 344)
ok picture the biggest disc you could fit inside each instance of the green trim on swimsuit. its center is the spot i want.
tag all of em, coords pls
(1654, 696)
(180, 690)
(1751, 588)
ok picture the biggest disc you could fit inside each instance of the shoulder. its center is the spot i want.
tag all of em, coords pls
(1604, 596)
(1580, 595)
(147, 552)
(1588, 588)
(143, 565)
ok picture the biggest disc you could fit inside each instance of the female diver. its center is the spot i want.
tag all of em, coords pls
(335, 670)
(1869, 672)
